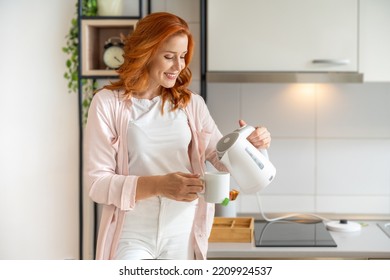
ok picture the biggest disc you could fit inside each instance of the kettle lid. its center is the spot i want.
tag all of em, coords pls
(226, 142)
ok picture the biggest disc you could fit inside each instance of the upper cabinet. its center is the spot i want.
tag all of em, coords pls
(283, 36)
(374, 40)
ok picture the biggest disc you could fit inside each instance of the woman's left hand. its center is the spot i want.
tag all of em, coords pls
(260, 138)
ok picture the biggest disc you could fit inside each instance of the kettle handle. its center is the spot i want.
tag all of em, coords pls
(245, 131)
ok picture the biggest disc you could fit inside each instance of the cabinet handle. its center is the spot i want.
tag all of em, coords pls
(332, 61)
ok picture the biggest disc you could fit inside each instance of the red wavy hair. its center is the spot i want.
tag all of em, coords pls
(140, 46)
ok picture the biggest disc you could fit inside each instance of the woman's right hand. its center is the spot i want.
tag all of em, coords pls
(177, 186)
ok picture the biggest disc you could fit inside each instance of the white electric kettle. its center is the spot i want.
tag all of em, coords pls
(248, 166)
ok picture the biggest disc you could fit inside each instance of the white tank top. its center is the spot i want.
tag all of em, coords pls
(157, 144)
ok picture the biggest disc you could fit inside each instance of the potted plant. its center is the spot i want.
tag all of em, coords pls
(89, 8)
(110, 7)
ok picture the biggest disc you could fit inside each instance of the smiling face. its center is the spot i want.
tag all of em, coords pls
(168, 62)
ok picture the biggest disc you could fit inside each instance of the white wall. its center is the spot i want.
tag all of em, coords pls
(39, 133)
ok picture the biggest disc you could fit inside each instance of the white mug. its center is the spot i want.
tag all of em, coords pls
(217, 186)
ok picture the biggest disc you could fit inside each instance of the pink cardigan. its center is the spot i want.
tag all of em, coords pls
(106, 165)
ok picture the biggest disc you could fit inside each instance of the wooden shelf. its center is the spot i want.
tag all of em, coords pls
(95, 32)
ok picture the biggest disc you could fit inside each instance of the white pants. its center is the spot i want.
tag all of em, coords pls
(158, 228)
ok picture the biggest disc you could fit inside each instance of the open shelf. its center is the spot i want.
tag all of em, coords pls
(95, 32)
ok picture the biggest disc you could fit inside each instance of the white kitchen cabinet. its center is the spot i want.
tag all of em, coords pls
(282, 35)
(374, 40)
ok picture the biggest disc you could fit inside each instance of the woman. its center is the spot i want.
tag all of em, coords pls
(147, 139)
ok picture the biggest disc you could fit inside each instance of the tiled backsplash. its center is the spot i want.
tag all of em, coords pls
(331, 143)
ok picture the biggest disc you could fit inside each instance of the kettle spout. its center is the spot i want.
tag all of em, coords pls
(224, 158)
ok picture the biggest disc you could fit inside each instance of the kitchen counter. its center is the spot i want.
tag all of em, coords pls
(369, 243)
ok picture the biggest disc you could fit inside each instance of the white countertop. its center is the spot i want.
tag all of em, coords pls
(369, 243)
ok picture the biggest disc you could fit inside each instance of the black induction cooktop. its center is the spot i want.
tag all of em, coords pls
(285, 233)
